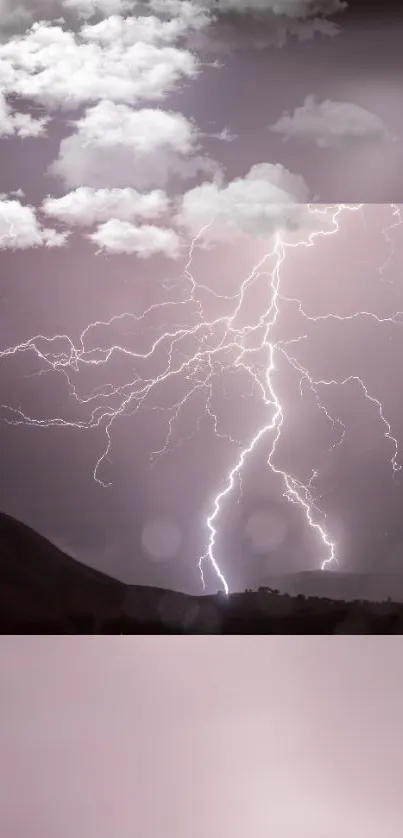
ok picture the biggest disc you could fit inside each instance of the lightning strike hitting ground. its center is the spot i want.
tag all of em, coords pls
(221, 346)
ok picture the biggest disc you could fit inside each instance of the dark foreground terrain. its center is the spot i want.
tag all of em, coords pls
(44, 591)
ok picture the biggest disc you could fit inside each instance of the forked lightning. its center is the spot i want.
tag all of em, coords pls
(221, 345)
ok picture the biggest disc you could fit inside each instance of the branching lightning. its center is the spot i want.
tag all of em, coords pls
(218, 346)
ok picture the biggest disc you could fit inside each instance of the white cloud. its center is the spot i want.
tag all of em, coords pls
(284, 18)
(86, 206)
(89, 8)
(122, 237)
(63, 70)
(116, 146)
(330, 123)
(194, 13)
(124, 32)
(20, 124)
(267, 198)
(143, 130)
(17, 15)
(19, 228)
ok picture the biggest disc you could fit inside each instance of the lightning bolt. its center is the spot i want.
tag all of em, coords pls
(386, 232)
(199, 352)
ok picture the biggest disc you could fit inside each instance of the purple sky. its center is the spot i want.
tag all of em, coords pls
(115, 186)
(293, 737)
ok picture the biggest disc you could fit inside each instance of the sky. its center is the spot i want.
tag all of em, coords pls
(201, 249)
(106, 736)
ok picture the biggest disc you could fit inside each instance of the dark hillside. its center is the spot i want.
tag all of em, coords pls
(40, 582)
(42, 590)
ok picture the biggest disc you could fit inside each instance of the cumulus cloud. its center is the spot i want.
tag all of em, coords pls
(110, 64)
(85, 206)
(116, 236)
(330, 124)
(117, 146)
(18, 15)
(89, 8)
(189, 18)
(61, 69)
(19, 228)
(147, 29)
(20, 124)
(269, 197)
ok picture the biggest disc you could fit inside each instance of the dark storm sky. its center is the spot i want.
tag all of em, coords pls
(47, 473)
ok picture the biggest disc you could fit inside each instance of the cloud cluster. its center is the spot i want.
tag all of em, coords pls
(17, 15)
(116, 236)
(60, 69)
(22, 125)
(110, 66)
(89, 8)
(149, 28)
(269, 197)
(85, 206)
(114, 68)
(20, 229)
(330, 124)
(117, 146)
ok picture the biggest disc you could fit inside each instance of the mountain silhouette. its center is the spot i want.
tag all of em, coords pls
(43, 590)
(40, 582)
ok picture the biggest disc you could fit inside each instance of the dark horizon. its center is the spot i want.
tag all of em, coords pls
(44, 591)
